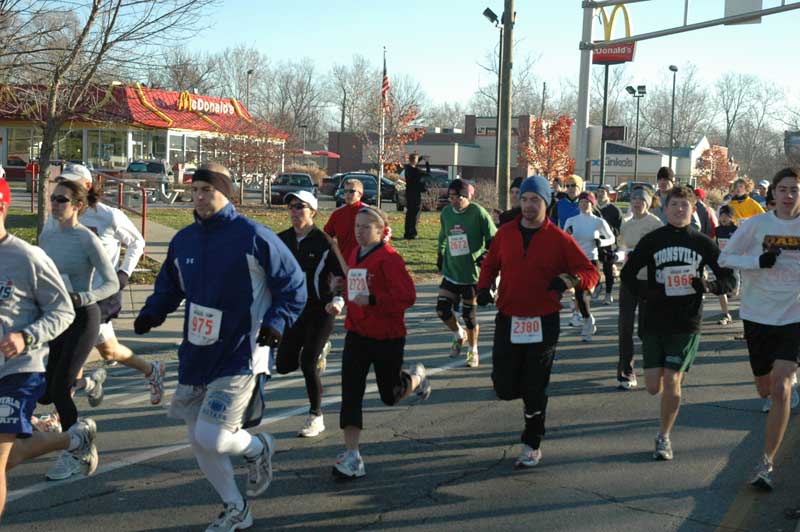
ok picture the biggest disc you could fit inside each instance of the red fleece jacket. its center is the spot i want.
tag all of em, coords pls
(342, 225)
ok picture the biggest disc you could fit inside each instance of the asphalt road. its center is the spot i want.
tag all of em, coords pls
(444, 464)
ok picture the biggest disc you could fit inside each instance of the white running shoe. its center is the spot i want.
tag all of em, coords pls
(65, 466)
(455, 347)
(576, 320)
(629, 384)
(767, 406)
(259, 469)
(609, 300)
(529, 457)
(156, 382)
(424, 386)
(232, 519)
(794, 401)
(97, 394)
(589, 328)
(349, 465)
(473, 360)
(312, 427)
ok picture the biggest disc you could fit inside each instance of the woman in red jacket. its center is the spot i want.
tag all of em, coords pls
(379, 290)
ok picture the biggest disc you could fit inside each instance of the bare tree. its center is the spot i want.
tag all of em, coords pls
(526, 88)
(735, 94)
(183, 70)
(349, 92)
(448, 115)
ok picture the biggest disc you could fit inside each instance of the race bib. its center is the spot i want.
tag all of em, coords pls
(722, 242)
(678, 280)
(526, 330)
(459, 245)
(357, 283)
(204, 324)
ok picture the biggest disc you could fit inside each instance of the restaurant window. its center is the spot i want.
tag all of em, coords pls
(192, 149)
(158, 146)
(70, 146)
(176, 149)
(23, 145)
(108, 148)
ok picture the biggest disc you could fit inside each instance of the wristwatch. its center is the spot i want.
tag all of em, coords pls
(28, 339)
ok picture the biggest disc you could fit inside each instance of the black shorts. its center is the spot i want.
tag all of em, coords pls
(768, 343)
(463, 291)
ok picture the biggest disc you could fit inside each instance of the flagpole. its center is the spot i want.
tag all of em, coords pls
(381, 139)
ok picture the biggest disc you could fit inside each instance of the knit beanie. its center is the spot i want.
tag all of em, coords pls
(462, 188)
(538, 185)
(642, 194)
(589, 196)
(516, 183)
(216, 175)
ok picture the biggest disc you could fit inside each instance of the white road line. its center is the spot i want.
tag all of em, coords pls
(158, 452)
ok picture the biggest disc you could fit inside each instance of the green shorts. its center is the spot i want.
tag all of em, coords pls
(671, 351)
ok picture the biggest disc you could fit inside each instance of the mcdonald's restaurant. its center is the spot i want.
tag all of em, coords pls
(121, 123)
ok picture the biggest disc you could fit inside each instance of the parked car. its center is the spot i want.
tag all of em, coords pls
(293, 182)
(624, 189)
(330, 184)
(437, 180)
(154, 171)
(592, 187)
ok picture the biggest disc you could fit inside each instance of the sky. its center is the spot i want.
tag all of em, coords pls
(441, 41)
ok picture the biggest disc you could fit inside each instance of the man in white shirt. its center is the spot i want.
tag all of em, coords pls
(766, 249)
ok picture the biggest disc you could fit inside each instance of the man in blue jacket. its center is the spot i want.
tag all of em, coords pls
(242, 288)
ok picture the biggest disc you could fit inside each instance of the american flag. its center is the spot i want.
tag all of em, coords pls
(385, 86)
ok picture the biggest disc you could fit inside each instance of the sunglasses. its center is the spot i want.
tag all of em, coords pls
(350, 191)
(297, 206)
(59, 199)
(572, 186)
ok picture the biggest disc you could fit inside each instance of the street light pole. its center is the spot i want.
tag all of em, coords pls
(674, 70)
(504, 160)
(492, 17)
(247, 91)
(637, 93)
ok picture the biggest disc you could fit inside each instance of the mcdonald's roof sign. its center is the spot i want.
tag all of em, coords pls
(620, 53)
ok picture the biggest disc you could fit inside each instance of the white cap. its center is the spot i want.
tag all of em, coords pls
(305, 196)
(764, 183)
(76, 172)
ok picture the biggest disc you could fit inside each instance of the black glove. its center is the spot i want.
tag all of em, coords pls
(484, 297)
(479, 260)
(122, 277)
(558, 285)
(768, 258)
(700, 285)
(439, 262)
(142, 324)
(75, 299)
(268, 337)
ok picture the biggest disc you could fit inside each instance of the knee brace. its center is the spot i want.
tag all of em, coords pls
(444, 308)
(470, 319)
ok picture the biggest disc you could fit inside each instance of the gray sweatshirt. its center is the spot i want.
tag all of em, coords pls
(33, 300)
(77, 253)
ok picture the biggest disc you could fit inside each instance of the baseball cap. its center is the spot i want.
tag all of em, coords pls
(305, 196)
(764, 183)
(5, 192)
(76, 172)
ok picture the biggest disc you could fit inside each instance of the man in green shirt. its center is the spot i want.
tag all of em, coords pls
(465, 232)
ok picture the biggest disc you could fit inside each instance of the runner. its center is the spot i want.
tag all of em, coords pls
(79, 256)
(567, 206)
(708, 221)
(674, 256)
(723, 233)
(537, 262)
(379, 290)
(466, 230)
(592, 233)
(304, 344)
(342, 222)
(115, 230)
(499, 218)
(766, 248)
(630, 233)
(742, 204)
(665, 181)
(34, 309)
(242, 289)
(607, 255)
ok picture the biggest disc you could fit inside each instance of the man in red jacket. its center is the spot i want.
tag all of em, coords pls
(342, 223)
(539, 262)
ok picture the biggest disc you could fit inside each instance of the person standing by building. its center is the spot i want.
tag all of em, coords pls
(243, 289)
(379, 291)
(415, 187)
(607, 255)
(766, 249)
(674, 257)
(34, 309)
(465, 232)
(631, 232)
(79, 255)
(341, 224)
(304, 343)
(536, 262)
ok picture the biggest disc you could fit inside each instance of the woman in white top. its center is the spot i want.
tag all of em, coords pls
(591, 233)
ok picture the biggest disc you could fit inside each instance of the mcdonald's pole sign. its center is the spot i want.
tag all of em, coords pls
(620, 53)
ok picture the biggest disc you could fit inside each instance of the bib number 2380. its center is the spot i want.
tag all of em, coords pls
(678, 281)
(357, 283)
(526, 330)
(204, 324)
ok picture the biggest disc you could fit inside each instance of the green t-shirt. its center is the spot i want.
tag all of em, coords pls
(462, 239)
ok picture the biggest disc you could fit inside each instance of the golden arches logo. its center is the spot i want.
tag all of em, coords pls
(184, 101)
(608, 22)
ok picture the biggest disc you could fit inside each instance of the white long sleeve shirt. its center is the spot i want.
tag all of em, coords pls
(770, 296)
(586, 229)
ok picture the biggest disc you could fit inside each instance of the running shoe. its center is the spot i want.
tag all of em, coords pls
(596, 291)
(65, 466)
(231, 518)
(629, 384)
(322, 361)
(589, 328)
(156, 382)
(424, 387)
(455, 347)
(576, 320)
(473, 360)
(96, 395)
(349, 465)
(47, 423)
(259, 469)
(609, 300)
(663, 449)
(86, 453)
(312, 427)
(762, 475)
(725, 319)
(529, 457)
(793, 402)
